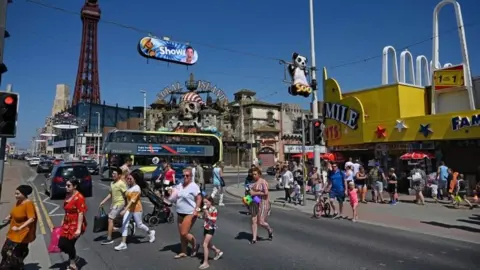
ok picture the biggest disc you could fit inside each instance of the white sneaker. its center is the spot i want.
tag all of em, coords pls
(122, 246)
(152, 236)
(221, 204)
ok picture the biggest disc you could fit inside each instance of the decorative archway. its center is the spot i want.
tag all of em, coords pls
(266, 155)
(192, 108)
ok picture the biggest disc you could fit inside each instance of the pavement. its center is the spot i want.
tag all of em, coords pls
(15, 174)
(299, 242)
(438, 219)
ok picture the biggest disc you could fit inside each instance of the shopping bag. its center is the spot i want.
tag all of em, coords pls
(55, 236)
(100, 221)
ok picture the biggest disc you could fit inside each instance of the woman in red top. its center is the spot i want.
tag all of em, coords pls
(169, 176)
(74, 223)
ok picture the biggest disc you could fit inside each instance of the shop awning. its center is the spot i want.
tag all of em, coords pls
(308, 154)
(416, 156)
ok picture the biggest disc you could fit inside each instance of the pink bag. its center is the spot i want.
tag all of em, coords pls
(53, 247)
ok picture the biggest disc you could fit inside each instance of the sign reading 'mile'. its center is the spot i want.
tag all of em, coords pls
(342, 114)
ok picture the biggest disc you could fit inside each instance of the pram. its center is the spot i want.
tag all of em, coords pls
(161, 209)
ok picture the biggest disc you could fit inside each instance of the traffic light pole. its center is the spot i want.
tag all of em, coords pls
(3, 146)
(305, 175)
(316, 147)
(3, 28)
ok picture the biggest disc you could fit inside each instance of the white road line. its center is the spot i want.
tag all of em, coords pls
(31, 179)
(56, 215)
(102, 184)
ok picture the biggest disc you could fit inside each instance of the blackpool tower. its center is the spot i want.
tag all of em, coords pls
(87, 86)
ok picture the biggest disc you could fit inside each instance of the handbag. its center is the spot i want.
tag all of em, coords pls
(222, 182)
(100, 221)
(54, 238)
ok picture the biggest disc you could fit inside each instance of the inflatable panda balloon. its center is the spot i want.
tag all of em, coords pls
(298, 72)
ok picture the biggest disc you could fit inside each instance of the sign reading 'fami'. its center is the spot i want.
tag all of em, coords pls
(460, 122)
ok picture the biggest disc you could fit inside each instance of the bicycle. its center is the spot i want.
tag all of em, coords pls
(323, 205)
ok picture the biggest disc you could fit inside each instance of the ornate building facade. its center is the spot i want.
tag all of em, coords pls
(250, 128)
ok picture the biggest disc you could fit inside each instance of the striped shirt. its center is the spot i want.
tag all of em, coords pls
(210, 219)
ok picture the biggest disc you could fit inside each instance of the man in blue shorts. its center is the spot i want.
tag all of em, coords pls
(337, 186)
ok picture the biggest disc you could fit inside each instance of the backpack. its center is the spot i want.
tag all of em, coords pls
(417, 176)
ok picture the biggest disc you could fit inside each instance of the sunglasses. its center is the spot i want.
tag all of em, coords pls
(186, 175)
(69, 185)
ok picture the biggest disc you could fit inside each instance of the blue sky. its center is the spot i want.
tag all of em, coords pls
(45, 43)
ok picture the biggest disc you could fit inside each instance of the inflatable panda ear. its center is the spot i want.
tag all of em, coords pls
(294, 55)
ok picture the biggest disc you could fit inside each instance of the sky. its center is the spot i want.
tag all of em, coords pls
(238, 43)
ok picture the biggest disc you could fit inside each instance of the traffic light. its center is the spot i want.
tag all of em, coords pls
(8, 114)
(317, 127)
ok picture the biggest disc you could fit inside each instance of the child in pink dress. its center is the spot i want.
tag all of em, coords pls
(353, 197)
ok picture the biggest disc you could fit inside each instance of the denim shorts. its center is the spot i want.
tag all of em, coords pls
(340, 196)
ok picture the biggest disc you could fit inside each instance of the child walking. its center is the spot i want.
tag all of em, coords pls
(461, 193)
(209, 226)
(353, 197)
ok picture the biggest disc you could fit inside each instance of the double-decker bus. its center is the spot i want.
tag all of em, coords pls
(149, 149)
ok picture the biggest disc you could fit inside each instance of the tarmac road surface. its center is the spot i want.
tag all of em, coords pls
(299, 243)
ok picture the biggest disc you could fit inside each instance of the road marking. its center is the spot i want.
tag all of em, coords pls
(50, 203)
(57, 215)
(39, 215)
(44, 210)
(30, 180)
(400, 261)
(103, 185)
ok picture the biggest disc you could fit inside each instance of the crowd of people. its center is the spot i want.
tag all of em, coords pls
(191, 202)
(353, 180)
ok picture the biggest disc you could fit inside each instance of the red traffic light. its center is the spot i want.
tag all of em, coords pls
(8, 100)
(316, 124)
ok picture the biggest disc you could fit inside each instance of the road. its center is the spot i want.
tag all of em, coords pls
(299, 243)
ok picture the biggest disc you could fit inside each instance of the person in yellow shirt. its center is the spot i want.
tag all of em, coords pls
(117, 193)
(134, 208)
(22, 231)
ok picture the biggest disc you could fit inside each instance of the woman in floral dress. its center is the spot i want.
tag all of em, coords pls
(261, 210)
(74, 223)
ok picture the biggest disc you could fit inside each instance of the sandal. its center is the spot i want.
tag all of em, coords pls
(180, 256)
(195, 250)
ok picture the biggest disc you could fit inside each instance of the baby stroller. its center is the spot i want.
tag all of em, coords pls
(161, 210)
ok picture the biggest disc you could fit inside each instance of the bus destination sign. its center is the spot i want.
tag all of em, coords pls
(163, 149)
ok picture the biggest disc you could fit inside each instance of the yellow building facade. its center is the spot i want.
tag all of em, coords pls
(390, 113)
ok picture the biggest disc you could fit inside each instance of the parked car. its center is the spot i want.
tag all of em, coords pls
(34, 161)
(92, 166)
(45, 166)
(55, 183)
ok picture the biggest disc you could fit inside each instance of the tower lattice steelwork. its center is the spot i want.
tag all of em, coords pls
(87, 86)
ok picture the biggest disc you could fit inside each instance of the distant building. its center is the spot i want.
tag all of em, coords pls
(89, 135)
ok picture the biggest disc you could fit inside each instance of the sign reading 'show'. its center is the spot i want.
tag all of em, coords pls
(342, 114)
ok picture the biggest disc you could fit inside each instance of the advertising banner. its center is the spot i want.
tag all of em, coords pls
(162, 149)
(167, 50)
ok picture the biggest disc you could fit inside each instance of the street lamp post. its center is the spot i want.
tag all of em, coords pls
(144, 109)
(99, 135)
(316, 148)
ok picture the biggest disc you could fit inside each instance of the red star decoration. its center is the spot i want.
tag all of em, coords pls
(381, 132)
